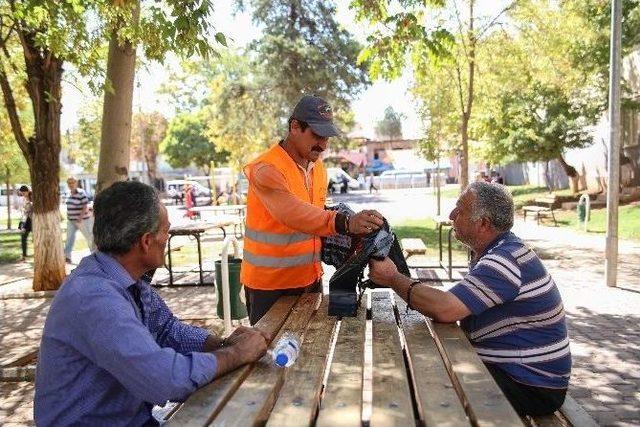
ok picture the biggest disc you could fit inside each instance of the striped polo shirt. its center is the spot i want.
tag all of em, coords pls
(517, 321)
(75, 203)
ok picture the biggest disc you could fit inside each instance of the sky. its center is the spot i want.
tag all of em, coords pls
(368, 107)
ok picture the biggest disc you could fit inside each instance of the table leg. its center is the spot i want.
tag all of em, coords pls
(197, 236)
(450, 254)
(440, 241)
(169, 256)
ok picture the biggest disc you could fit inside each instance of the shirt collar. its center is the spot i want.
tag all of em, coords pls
(114, 269)
(495, 242)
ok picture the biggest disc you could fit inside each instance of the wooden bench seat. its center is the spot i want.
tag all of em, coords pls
(570, 414)
(413, 246)
(543, 208)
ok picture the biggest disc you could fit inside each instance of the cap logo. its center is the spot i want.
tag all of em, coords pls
(325, 111)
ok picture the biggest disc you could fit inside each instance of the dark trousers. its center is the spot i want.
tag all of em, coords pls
(23, 240)
(260, 301)
(526, 399)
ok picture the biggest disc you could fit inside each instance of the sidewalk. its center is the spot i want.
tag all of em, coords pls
(603, 322)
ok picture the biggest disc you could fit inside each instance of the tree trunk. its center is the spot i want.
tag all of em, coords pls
(466, 113)
(116, 114)
(571, 172)
(44, 153)
(464, 153)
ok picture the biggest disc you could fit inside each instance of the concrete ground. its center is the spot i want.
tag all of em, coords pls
(603, 322)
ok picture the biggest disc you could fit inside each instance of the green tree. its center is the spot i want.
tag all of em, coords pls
(433, 34)
(186, 143)
(36, 39)
(149, 130)
(159, 27)
(538, 125)
(390, 125)
(302, 49)
(83, 142)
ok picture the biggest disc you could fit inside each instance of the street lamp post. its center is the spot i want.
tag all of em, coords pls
(613, 187)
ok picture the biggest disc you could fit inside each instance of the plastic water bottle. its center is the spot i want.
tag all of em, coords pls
(286, 350)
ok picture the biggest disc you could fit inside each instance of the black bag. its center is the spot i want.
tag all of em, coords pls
(25, 225)
(347, 284)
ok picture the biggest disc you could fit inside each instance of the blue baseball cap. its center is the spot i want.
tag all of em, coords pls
(318, 114)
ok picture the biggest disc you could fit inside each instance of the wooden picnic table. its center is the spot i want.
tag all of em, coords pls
(383, 367)
(194, 230)
(235, 215)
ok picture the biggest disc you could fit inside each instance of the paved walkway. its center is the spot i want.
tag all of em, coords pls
(603, 324)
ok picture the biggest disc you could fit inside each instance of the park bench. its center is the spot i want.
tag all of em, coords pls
(570, 414)
(384, 367)
(413, 246)
(543, 208)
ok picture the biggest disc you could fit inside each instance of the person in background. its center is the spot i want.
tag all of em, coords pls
(508, 304)
(79, 217)
(26, 221)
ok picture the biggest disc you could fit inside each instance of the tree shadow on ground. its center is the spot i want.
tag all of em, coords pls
(606, 364)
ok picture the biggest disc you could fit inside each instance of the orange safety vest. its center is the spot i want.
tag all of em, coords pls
(276, 256)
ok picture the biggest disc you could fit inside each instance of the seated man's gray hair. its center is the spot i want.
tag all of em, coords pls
(493, 201)
(123, 213)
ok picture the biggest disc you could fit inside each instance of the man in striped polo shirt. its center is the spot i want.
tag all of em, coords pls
(508, 304)
(79, 217)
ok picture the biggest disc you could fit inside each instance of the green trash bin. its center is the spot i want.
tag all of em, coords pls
(582, 210)
(238, 309)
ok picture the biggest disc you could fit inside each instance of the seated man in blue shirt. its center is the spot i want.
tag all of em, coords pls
(508, 304)
(111, 348)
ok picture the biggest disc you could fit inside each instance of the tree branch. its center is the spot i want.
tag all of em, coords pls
(12, 111)
(493, 21)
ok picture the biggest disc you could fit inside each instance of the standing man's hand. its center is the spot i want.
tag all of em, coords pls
(364, 222)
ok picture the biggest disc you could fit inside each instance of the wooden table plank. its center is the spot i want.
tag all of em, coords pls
(438, 402)
(342, 401)
(203, 405)
(392, 404)
(299, 396)
(254, 399)
(485, 403)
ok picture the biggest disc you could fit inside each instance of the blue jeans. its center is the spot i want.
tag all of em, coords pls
(86, 228)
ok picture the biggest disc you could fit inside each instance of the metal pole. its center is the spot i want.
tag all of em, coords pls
(613, 187)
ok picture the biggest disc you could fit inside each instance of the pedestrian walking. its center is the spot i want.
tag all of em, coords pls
(25, 224)
(79, 217)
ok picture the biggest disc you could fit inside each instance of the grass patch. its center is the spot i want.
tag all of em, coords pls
(11, 251)
(426, 230)
(628, 221)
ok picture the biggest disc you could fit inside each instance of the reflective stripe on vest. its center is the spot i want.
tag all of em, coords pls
(281, 239)
(281, 262)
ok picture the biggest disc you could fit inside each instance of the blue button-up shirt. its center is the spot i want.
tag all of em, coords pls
(103, 361)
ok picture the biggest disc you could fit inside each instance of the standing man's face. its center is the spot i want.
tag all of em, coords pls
(73, 185)
(308, 144)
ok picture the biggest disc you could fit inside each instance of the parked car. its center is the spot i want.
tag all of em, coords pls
(175, 188)
(336, 177)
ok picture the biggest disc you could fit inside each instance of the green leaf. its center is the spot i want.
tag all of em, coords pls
(220, 38)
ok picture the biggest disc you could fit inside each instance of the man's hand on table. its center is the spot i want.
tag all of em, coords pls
(243, 345)
(364, 222)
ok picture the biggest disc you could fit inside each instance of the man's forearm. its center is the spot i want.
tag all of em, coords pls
(212, 343)
(431, 302)
(228, 359)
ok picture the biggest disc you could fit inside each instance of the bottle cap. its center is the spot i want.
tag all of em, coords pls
(282, 359)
